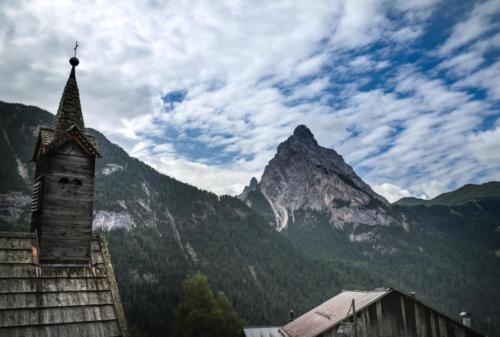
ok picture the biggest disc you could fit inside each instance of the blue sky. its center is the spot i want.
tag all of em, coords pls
(407, 91)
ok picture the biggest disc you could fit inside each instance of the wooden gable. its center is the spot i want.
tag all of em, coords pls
(47, 141)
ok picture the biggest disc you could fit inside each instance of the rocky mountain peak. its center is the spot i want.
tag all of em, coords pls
(306, 176)
(304, 135)
(254, 184)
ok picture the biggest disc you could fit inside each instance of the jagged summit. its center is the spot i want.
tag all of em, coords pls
(254, 184)
(304, 135)
(306, 176)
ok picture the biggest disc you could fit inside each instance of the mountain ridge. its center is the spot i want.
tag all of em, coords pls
(461, 195)
(427, 248)
(164, 230)
(305, 175)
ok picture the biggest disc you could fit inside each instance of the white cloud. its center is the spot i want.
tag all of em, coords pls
(251, 73)
(463, 64)
(434, 188)
(478, 22)
(485, 146)
(487, 78)
(392, 192)
(215, 178)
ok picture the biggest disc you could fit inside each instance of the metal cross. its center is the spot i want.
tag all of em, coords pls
(76, 46)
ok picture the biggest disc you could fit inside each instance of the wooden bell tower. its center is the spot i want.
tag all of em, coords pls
(63, 192)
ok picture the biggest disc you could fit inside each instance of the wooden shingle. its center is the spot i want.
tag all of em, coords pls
(57, 300)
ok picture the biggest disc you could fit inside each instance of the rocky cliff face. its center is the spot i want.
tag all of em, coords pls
(306, 176)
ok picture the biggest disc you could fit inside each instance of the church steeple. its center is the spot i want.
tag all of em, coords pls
(63, 193)
(70, 109)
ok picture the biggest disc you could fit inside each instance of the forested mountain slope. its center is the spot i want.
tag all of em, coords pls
(447, 250)
(160, 230)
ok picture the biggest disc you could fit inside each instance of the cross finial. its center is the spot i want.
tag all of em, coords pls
(74, 61)
(76, 47)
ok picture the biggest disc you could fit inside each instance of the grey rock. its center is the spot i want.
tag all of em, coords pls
(306, 176)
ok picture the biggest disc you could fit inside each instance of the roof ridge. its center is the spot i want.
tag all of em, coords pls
(367, 290)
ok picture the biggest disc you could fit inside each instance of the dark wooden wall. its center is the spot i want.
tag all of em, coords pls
(398, 315)
(64, 204)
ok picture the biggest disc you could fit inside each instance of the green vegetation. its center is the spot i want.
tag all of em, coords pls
(202, 314)
(460, 196)
(178, 230)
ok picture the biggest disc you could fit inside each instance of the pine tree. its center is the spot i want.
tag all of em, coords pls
(203, 314)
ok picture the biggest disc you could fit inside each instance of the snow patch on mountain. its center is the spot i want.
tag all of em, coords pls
(107, 220)
(111, 168)
(192, 253)
(253, 272)
(23, 171)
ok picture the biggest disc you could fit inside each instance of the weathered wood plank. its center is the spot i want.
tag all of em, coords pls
(15, 256)
(69, 199)
(29, 271)
(85, 193)
(49, 214)
(54, 156)
(32, 316)
(15, 243)
(17, 270)
(70, 169)
(98, 270)
(70, 239)
(86, 329)
(64, 252)
(46, 300)
(442, 327)
(58, 222)
(52, 285)
(71, 148)
(67, 230)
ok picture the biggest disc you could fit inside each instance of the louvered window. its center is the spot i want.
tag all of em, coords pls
(36, 203)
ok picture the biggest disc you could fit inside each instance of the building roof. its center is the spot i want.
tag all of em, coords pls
(47, 140)
(57, 300)
(261, 331)
(337, 309)
(70, 109)
(331, 312)
(68, 122)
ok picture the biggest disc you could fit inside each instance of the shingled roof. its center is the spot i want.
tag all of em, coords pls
(68, 121)
(57, 300)
(70, 109)
(48, 139)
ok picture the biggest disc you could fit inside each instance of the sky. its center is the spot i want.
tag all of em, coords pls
(204, 91)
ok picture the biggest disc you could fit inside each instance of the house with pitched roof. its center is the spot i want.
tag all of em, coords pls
(375, 313)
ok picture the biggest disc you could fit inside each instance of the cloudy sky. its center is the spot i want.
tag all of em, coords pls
(407, 91)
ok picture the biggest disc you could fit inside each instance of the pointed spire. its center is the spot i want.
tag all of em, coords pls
(70, 110)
